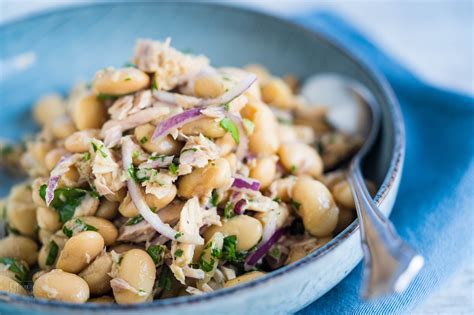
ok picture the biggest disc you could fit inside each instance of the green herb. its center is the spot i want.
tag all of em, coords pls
(105, 97)
(153, 209)
(13, 230)
(87, 156)
(227, 106)
(216, 253)
(135, 154)
(178, 252)
(178, 235)
(229, 126)
(293, 169)
(21, 271)
(206, 266)
(156, 253)
(134, 220)
(214, 200)
(226, 78)
(165, 279)
(65, 201)
(277, 199)
(158, 157)
(229, 210)
(143, 140)
(190, 149)
(78, 225)
(99, 148)
(93, 193)
(173, 169)
(132, 172)
(285, 121)
(53, 253)
(127, 79)
(230, 252)
(295, 204)
(154, 84)
(275, 252)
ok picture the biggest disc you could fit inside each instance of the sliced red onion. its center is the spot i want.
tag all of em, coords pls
(142, 117)
(60, 169)
(175, 121)
(233, 93)
(245, 184)
(240, 206)
(263, 248)
(236, 91)
(140, 203)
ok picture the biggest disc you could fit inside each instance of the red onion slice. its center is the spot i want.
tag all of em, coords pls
(245, 184)
(240, 206)
(60, 169)
(236, 91)
(175, 121)
(263, 248)
(142, 206)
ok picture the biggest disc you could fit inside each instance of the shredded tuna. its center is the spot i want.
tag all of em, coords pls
(121, 107)
(198, 151)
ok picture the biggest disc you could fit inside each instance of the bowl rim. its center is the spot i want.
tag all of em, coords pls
(390, 179)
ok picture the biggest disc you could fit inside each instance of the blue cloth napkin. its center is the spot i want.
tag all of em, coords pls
(435, 205)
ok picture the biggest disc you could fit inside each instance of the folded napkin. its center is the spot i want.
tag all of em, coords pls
(435, 204)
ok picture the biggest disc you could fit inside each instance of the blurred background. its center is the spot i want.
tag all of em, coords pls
(433, 38)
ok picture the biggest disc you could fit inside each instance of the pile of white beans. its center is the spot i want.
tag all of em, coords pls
(314, 200)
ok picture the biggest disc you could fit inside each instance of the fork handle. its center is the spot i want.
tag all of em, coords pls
(390, 264)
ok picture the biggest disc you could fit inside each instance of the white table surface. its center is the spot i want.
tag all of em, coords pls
(433, 38)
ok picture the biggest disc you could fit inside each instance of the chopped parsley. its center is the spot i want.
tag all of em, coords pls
(227, 106)
(165, 279)
(65, 201)
(134, 220)
(160, 157)
(173, 169)
(275, 252)
(77, 226)
(99, 148)
(214, 200)
(190, 149)
(154, 84)
(178, 235)
(87, 156)
(230, 252)
(157, 253)
(105, 97)
(132, 172)
(21, 271)
(135, 154)
(53, 253)
(143, 140)
(277, 199)
(127, 79)
(178, 252)
(229, 210)
(229, 126)
(206, 266)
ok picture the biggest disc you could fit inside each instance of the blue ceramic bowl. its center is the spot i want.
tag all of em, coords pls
(72, 44)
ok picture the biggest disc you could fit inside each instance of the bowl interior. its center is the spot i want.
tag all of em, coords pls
(72, 44)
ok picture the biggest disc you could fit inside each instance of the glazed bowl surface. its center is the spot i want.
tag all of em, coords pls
(72, 43)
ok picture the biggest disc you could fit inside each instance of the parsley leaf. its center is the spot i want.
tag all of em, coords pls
(230, 252)
(20, 270)
(143, 140)
(173, 169)
(134, 220)
(178, 235)
(214, 200)
(99, 148)
(156, 253)
(77, 226)
(65, 201)
(295, 204)
(165, 279)
(229, 126)
(53, 253)
(229, 210)
(154, 85)
(178, 252)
